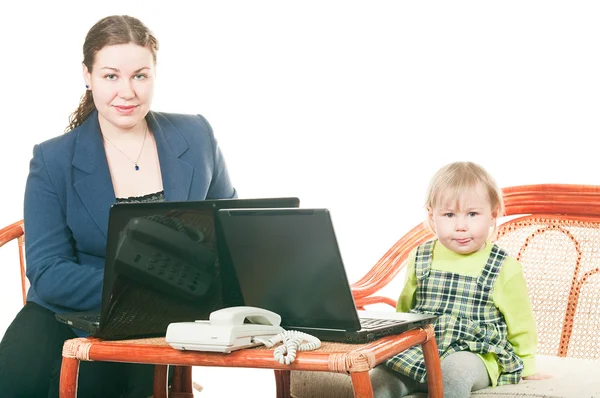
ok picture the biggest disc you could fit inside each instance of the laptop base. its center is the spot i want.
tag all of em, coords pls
(88, 321)
(365, 335)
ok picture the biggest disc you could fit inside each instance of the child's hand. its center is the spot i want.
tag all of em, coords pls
(538, 376)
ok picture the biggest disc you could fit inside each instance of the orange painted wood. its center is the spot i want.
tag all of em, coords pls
(361, 302)
(69, 371)
(181, 395)
(283, 383)
(9, 233)
(386, 269)
(176, 383)
(186, 379)
(361, 384)
(581, 202)
(160, 387)
(21, 243)
(181, 385)
(433, 367)
(550, 201)
(110, 351)
(572, 199)
(157, 352)
(549, 207)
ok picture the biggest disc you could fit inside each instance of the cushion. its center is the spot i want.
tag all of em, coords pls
(570, 378)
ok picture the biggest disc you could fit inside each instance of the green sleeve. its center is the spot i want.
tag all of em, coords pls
(406, 301)
(512, 299)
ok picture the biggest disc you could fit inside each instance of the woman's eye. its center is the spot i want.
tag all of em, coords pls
(111, 77)
(139, 77)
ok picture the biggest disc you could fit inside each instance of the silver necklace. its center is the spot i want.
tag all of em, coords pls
(135, 162)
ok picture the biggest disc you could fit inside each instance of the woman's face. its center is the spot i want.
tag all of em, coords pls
(122, 84)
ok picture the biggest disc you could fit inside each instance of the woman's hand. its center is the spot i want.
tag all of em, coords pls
(538, 376)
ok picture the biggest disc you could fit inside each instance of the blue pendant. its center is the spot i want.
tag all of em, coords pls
(137, 167)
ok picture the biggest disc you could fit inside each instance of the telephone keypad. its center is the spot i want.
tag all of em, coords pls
(162, 271)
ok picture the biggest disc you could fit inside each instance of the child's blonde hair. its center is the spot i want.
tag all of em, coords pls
(457, 178)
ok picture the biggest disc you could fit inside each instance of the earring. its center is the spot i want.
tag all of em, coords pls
(87, 87)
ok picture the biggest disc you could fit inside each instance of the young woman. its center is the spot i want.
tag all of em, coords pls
(116, 149)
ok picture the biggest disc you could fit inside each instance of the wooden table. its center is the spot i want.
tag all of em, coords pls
(355, 359)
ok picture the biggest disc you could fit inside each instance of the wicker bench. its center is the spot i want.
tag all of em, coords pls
(554, 231)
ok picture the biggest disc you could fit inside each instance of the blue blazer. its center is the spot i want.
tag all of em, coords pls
(69, 193)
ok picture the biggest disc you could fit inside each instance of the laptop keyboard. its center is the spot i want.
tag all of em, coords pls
(372, 323)
(95, 318)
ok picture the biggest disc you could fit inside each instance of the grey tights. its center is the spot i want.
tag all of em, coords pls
(462, 372)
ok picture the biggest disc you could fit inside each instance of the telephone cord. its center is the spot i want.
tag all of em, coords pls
(291, 342)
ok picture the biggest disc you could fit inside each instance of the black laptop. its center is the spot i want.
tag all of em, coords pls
(163, 265)
(288, 261)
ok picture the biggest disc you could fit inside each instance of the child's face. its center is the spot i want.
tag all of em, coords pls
(463, 225)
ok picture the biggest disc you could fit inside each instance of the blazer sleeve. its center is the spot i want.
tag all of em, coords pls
(53, 269)
(220, 185)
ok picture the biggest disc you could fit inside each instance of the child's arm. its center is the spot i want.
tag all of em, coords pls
(406, 301)
(512, 299)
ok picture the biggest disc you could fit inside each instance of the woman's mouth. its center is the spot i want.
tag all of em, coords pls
(125, 108)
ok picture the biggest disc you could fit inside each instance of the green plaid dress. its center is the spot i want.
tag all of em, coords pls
(468, 319)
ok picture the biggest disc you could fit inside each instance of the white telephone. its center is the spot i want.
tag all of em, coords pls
(228, 330)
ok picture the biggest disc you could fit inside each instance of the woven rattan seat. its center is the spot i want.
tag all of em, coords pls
(554, 231)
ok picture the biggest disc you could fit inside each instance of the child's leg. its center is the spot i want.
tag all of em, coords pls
(389, 384)
(463, 372)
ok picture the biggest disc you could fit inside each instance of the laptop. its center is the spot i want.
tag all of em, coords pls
(162, 266)
(288, 261)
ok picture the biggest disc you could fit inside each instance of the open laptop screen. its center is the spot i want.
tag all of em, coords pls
(130, 294)
(288, 261)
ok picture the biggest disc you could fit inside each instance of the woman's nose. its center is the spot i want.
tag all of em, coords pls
(126, 90)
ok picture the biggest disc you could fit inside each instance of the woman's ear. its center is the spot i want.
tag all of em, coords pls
(87, 76)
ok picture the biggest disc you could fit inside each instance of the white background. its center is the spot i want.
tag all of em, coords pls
(348, 105)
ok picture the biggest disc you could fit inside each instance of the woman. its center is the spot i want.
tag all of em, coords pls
(115, 150)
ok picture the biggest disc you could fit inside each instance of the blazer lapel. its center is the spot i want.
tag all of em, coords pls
(176, 174)
(92, 180)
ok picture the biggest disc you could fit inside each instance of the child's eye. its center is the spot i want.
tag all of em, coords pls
(111, 77)
(472, 214)
(449, 215)
(140, 76)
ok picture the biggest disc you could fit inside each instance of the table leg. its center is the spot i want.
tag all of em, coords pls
(186, 379)
(159, 389)
(69, 372)
(181, 384)
(283, 383)
(434, 369)
(361, 383)
(176, 380)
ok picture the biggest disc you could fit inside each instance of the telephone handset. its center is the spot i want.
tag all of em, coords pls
(245, 317)
(226, 330)
(234, 328)
(176, 262)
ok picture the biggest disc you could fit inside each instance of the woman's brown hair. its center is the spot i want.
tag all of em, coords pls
(113, 30)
